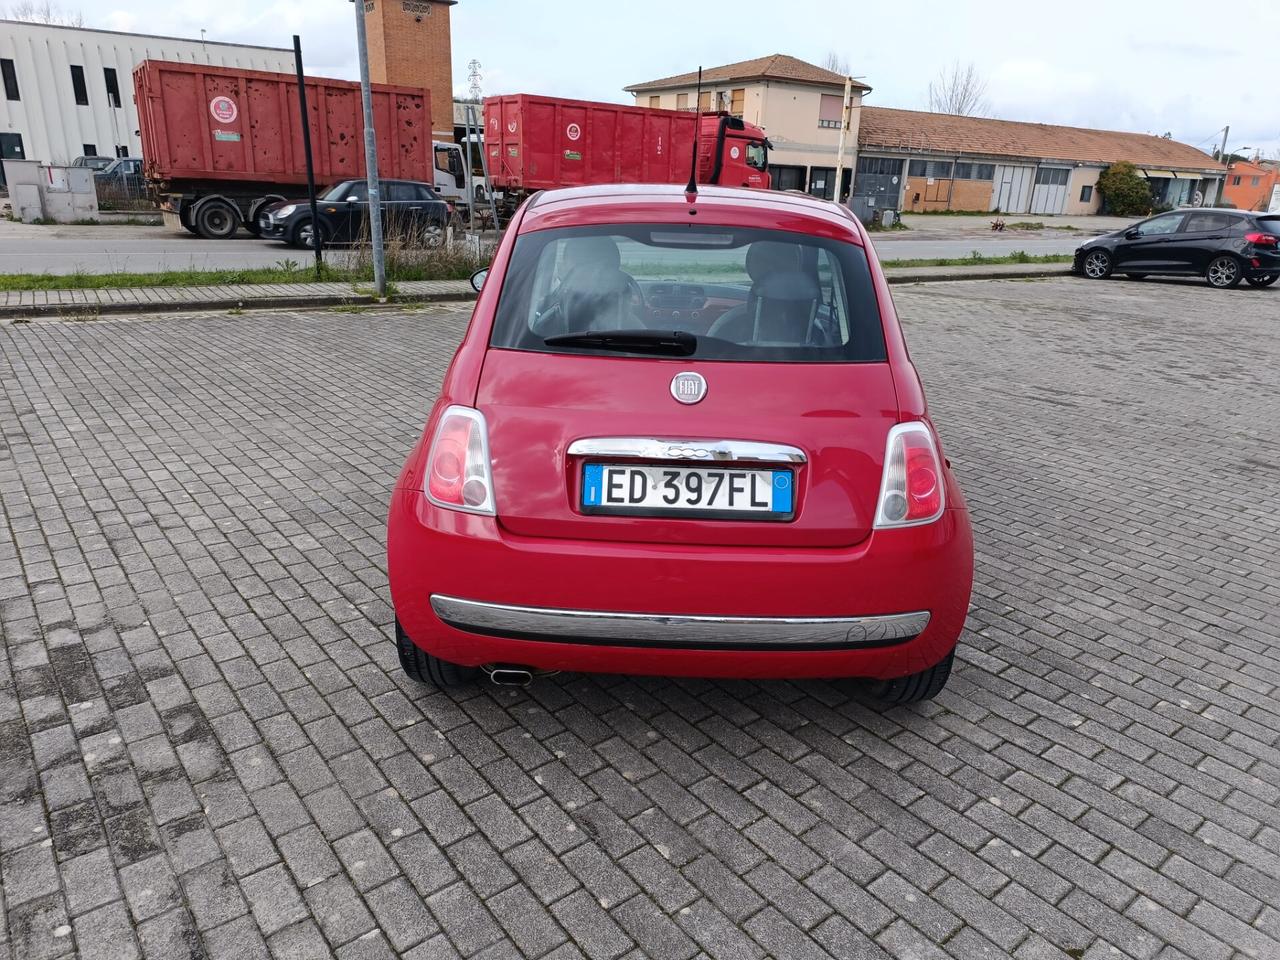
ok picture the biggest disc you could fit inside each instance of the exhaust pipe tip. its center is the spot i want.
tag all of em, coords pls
(506, 676)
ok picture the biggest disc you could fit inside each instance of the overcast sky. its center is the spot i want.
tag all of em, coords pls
(1143, 65)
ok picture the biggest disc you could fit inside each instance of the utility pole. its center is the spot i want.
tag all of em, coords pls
(371, 160)
(1222, 153)
(844, 128)
(317, 234)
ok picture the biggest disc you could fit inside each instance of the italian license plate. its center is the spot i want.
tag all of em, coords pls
(694, 492)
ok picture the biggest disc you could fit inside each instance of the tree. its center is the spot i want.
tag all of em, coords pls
(837, 63)
(959, 89)
(1124, 192)
(45, 11)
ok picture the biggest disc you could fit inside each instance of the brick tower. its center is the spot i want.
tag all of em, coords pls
(409, 45)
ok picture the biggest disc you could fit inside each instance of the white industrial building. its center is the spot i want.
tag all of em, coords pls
(67, 92)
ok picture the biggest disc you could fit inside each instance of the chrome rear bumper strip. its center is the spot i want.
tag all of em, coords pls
(674, 631)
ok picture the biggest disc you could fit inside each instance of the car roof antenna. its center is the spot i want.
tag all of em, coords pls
(692, 188)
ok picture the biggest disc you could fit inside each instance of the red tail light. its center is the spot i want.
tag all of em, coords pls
(912, 489)
(1263, 239)
(458, 471)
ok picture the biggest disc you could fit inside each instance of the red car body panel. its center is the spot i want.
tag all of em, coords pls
(542, 551)
(537, 404)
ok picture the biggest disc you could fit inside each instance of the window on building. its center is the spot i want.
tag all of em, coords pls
(937, 169)
(879, 166)
(1235, 181)
(682, 101)
(1086, 193)
(78, 85)
(655, 102)
(737, 101)
(830, 111)
(975, 171)
(704, 101)
(122, 151)
(10, 80)
(113, 86)
(1053, 176)
(88, 149)
(1254, 181)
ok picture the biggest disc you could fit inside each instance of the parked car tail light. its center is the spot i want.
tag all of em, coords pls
(458, 471)
(911, 491)
(1262, 239)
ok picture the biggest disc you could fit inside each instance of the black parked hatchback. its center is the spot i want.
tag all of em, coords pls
(409, 210)
(1222, 246)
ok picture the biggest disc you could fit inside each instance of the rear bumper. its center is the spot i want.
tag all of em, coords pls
(669, 631)
(471, 593)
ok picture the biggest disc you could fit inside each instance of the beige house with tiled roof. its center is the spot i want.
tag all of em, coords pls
(798, 104)
(914, 160)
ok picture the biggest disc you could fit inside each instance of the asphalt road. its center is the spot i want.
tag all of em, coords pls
(66, 250)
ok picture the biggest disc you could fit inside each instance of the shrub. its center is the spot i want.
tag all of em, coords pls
(1124, 191)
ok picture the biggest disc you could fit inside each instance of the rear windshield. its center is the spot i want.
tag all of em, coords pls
(1270, 224)
(756, 295)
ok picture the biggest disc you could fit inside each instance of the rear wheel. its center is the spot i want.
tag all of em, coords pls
(424, 668)
(1223, 272)
(915, 687)
(1266, 280)
(1097, 265)
(216, 219)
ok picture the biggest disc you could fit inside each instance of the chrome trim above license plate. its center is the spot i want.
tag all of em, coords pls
(677, 631)
(698, 451)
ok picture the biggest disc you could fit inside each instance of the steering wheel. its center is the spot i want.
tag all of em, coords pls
(633, 288)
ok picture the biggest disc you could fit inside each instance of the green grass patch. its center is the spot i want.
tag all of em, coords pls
(440, 265)
(977, 259)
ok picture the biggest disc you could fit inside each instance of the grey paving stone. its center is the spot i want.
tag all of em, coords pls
(206, 748)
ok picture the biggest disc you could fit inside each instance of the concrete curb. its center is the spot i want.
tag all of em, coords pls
(81, 311)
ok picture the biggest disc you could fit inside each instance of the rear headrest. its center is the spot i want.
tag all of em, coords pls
(788, 285)
(765, 257)
(594, 253)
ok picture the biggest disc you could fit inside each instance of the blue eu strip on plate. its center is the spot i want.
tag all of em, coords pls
(591, 485)
(781, 491)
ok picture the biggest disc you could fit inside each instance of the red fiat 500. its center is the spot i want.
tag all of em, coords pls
(682, 436)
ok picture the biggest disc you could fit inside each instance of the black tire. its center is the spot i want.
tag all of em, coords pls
(1136, 276)
(255, 208)
(296, 239)
(915, 687)
(1097, 264)
(424, 668)
(1223, 272)
(216, 219)
(184, 217)
(1266, 280)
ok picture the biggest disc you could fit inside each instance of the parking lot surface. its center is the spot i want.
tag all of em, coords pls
(207, 749)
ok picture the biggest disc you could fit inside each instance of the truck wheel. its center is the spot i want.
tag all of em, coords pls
(184, 217)
(255, 208)
(216, 219)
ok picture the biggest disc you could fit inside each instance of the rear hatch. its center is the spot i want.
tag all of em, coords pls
(538, 404)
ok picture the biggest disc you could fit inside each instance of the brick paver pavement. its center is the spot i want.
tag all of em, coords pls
(207, 750)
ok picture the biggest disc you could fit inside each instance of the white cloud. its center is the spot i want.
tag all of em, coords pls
(1145, 65)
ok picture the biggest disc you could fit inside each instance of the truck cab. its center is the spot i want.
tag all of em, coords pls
(450, 170)
(732, 153)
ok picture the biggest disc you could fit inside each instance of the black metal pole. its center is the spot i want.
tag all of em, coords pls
(317, 235)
